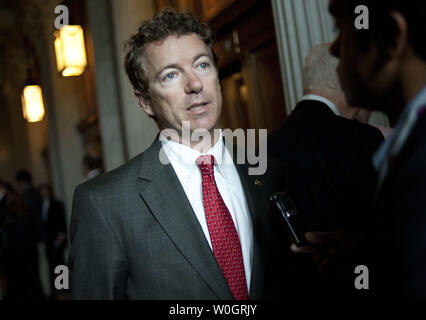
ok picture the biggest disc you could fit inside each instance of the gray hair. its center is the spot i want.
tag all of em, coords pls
(319, 70)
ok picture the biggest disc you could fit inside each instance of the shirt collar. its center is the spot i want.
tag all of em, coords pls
(418, 101)
(315, 97)
(186, 156)
(396, 140)
(93, 173)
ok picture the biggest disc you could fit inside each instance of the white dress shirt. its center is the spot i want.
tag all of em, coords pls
(183, 159)
(93, 173)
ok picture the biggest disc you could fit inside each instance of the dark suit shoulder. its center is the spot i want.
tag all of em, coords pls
(313, 125)
(360, 128)
(276, 166)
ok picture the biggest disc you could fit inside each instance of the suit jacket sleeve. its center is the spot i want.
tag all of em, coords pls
(97, 261)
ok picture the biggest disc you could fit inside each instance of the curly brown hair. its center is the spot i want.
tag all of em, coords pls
(164, 24)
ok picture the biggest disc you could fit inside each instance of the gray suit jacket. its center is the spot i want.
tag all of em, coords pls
(134, 235)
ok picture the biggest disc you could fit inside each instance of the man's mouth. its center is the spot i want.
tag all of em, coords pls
(198, 108)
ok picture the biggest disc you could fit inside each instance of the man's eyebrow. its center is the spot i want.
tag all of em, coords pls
(198, 56)
(169, 66)
(176, 66)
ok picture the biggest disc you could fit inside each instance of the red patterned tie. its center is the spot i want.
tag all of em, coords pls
(223, 235)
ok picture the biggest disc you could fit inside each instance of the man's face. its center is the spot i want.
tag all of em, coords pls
(366, 78)
(20, 187)
(45, 193)
(183, 83)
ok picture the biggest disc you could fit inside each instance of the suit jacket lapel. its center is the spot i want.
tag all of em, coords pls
(256, 209)
(162, 192)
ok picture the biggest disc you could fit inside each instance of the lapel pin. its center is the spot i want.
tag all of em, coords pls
(258, 183)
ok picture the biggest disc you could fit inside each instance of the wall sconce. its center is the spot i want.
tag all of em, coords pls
(70, 50)
(32, 103)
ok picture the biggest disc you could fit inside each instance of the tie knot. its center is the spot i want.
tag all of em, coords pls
(206, 163)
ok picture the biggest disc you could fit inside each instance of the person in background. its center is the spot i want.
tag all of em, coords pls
(329, 158)
(3, 214)
(31, 197)
(384, 66)
(53, 231)
(92, 166)
(21, 267)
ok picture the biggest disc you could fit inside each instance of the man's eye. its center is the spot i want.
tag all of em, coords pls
(204, 65)
(170, 76)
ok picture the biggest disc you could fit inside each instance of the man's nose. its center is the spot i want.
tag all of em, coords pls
(193, 83)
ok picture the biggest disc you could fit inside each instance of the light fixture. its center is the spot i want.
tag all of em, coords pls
(70, 50)
(32, 103)
(32, 97)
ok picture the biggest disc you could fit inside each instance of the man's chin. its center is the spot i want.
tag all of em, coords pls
(203, 124)
(202, 131)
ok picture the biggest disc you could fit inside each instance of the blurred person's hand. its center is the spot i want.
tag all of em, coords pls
(331, 251)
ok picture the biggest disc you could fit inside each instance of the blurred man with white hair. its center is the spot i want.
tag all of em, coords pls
(329, 158)
(321, 82)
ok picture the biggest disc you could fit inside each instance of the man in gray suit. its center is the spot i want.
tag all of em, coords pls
(196, 226)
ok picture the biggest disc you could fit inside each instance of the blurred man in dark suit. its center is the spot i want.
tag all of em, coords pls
(20, 243)
(384, 65)
(32, 199)
(92, 166)
(53, 230)
(331, 178)
(3, 214)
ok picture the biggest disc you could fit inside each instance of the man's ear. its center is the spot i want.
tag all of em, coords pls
(145, 103)
(401, 38)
